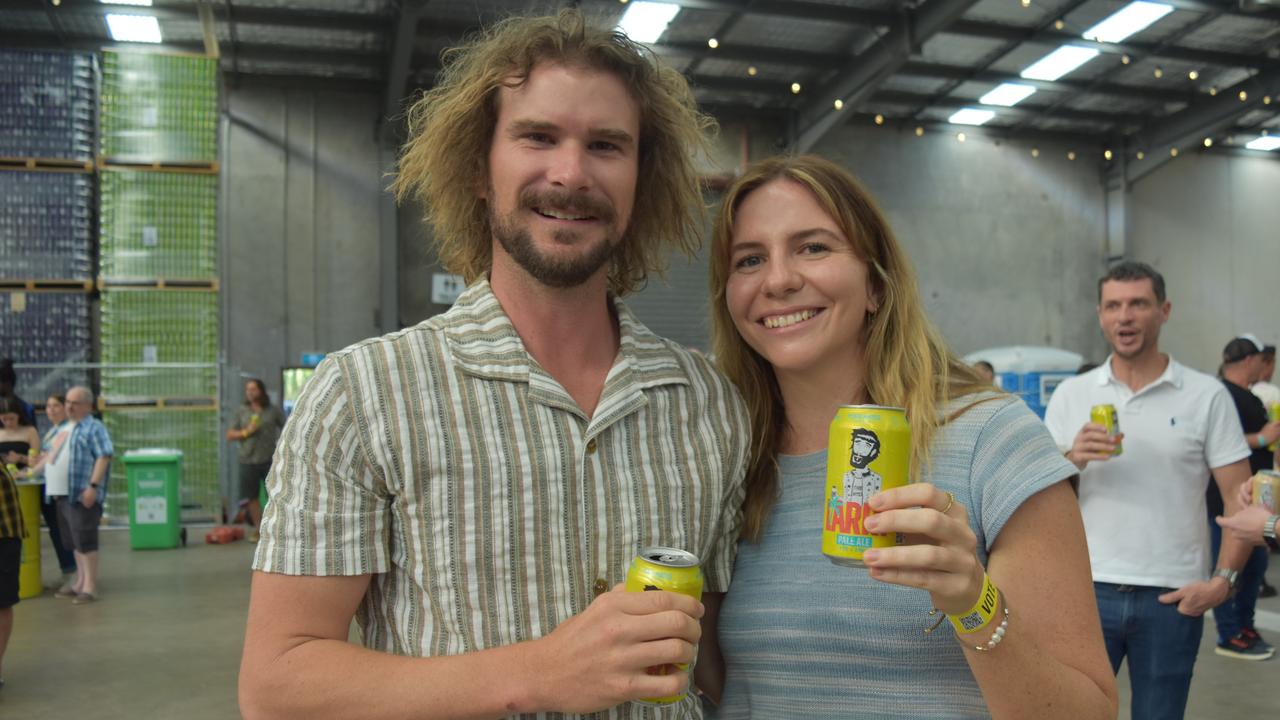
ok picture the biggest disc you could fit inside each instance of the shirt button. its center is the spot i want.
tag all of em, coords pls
(600, 588)
(591, 446)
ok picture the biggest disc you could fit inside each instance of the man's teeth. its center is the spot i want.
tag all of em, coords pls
(560, 215)
(778, 321)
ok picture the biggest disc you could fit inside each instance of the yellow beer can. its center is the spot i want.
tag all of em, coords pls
(1273, 413)
(868, 450)
(673, 570)
(1266, 490)
(1106, 416)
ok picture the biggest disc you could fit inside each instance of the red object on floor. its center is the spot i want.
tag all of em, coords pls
(224, 534)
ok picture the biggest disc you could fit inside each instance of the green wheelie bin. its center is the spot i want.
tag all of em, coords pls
(155, 508)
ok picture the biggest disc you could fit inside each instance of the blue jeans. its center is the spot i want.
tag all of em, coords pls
(1159, 642)
(1236, 613)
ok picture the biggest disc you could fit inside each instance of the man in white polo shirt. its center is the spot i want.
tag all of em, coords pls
(1144, 509)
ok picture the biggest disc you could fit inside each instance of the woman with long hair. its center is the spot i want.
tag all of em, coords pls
(815, 306)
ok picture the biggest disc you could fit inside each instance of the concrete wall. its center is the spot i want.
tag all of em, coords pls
(1007, 247)
(1210, 223)
(301, 225)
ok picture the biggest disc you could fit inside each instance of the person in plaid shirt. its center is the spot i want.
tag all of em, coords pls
(80, 510)
(11, 532)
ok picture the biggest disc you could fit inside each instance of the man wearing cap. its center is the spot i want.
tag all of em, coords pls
(1242, 365)
(1144, 509)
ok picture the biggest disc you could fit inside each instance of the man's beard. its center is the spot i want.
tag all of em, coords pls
(550, 271)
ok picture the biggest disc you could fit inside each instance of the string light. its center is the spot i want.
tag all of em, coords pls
(1213, 90)
(1266, 99)
(839, 104)
(1026, 3)
(1208, 142)
(961, 137)
(1158, 72)
(1193, 75)
(1124, 59)
(1035, 152)
(1106, 154)
(879, 119)
(1058, 24)
(1173, 152)
(751, 70)
(713, 43)
(919, 131)
(1243, 96)
(1071, 155)
(795, 88)
(1141, 155)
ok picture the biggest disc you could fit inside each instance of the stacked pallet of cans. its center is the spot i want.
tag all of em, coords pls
(158, 264)
(46, 214)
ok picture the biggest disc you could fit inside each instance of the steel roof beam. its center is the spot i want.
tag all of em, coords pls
(399, 57)
(860, 76)
(1205, 118)
(961, 72)
(894, 97)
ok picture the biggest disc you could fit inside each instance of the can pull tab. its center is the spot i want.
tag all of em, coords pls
(600, 587)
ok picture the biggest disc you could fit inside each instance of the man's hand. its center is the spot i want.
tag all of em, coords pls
(89, 497)
(1196, 598)
(1092, 443)
(1246, 525)
(234, 435)
(600, 657)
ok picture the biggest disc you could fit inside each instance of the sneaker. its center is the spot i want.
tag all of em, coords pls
(86, 598)
(65, 592)
(1241, 648)
(1253, 636)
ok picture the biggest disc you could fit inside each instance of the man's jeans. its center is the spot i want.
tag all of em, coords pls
(1236, 613)
(1159, 642)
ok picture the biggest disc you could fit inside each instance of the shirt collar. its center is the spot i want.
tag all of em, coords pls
(483, 342)
(1173, 374)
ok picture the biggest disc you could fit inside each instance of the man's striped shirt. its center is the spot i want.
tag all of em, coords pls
(446, 462)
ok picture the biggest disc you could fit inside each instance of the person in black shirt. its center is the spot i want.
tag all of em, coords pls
(1242, 365)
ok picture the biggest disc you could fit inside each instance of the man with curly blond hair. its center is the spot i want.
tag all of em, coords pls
(473, 489)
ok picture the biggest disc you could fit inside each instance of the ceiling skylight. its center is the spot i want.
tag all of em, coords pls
(1059, 63)
(646, 21)
(1132, 18)
(134, 28)
(971, 116)
(1008, 94)
(1266, 142)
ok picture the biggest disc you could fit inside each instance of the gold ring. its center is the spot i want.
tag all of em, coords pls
(951, 500)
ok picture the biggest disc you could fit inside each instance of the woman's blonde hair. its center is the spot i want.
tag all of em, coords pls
(445, 162)
(902, 347)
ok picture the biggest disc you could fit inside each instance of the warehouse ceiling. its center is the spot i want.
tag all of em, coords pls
(1205, 69)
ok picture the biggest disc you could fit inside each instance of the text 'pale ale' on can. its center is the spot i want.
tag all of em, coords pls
(673, 570)
(868, 450)
(1266, 490)
(1106, 416)
(1273, 413)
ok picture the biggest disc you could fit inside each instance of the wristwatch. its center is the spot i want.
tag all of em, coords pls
(1232, 576)
(1269, 530)
(93, 485)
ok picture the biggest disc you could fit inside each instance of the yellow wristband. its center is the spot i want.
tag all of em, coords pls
(980, 615)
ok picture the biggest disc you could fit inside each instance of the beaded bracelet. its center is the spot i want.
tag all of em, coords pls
(997, 636)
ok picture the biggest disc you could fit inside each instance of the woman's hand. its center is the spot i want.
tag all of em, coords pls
(941, 551)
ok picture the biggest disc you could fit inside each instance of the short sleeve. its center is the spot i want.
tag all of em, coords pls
(328, 512)
(100, 442)
(1014, 458)
(718, 567)
(1057, 421)
(1224, 441)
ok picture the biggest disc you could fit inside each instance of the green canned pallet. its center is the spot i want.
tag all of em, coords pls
(158, 225)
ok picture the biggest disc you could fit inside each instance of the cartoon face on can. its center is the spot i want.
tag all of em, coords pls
(868, 450)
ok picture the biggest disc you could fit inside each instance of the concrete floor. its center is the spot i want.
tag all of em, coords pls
(164, 642)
